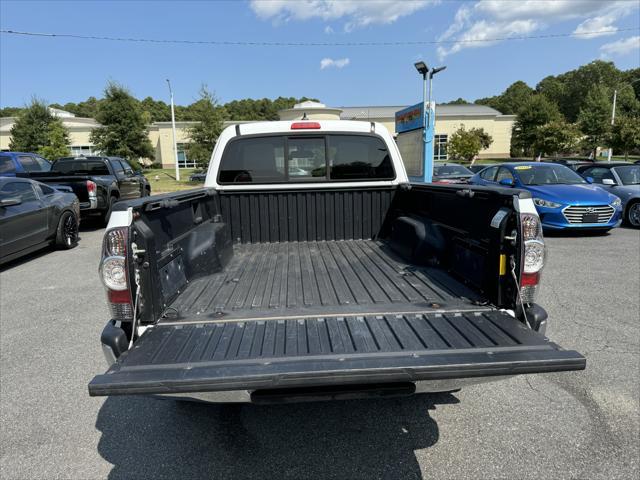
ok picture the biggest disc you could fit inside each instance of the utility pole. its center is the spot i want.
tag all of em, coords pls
(613, 118)
(173, 128)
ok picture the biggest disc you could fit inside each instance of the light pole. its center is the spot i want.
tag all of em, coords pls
(173, 128)
(428, 118)
(427, 164)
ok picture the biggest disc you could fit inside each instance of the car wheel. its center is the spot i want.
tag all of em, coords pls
(633, 215)
(67, 233)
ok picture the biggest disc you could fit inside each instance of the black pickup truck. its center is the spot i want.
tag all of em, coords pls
(308, 267)
(97, 181)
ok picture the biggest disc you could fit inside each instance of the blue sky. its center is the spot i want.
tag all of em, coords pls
(62, 70)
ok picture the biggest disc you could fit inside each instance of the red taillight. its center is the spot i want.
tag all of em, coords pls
(529, 279)
(114, 270)
(533, 256)
(305, 126)
(91, 187)
(119, 296)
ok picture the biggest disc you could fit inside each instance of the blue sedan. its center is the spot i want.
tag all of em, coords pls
(564, 200)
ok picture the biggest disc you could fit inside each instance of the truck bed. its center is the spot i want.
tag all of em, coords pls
(349, 277)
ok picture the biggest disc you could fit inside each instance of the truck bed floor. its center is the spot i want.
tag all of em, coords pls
(321, 278)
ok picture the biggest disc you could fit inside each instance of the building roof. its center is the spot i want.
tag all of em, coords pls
(468, 110)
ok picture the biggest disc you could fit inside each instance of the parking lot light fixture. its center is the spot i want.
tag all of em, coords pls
(422, 68)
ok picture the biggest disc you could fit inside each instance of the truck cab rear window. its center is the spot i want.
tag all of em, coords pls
(80, 167)
(305, 158)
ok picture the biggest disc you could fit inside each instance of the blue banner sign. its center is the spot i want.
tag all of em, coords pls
(410, 118)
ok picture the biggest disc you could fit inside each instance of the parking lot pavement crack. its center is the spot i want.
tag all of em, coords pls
(528, 380)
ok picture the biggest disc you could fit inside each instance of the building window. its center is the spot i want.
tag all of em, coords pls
(440, 147)
(86, 150)
(183, 160)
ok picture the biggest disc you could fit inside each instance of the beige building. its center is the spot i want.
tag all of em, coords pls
(448, 119)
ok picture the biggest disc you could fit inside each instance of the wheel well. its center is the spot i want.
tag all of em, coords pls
(630, 203)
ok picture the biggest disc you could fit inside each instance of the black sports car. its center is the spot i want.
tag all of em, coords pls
(34, 215)
(451, 173)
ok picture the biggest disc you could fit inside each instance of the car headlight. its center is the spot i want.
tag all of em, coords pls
(617, 203)
(546, 203)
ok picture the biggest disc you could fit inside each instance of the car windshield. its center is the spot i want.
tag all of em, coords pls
(629, 174)
(446, 170)
(547, 175)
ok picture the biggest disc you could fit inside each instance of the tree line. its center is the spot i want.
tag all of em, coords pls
(125, 120)
(159, 111)
(571, 112)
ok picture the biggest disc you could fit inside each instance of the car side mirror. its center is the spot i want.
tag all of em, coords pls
(507, 182)
(128, 172)
(8, 202)
(589, 179)
(608, 181)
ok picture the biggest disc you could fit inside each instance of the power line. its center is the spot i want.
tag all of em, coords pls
(309, 44)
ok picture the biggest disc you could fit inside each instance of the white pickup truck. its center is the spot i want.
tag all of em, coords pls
(308, 267)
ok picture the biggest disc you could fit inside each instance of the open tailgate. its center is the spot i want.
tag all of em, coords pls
(329, 351)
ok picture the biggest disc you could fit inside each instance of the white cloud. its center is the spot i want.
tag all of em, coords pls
(331, 63)
(488, 19)
(356, 13)
(328, 30)
(621, 47)
(596, 24)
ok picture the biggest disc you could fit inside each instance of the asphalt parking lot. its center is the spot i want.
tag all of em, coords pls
(566, 425)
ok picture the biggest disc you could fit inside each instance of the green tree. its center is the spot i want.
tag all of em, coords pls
(625, 135)
(595, 118)
(457, 101)
(86, 109)
(466, 144)
(557, 137)
(534, 113)
(629, 76)
(485, 139)
(10, 111)
(57, 141)
(157, 110)
(259, 109)
(569, 90)
(204, 134)
(30, 132)
(511, 100)
(123, 132)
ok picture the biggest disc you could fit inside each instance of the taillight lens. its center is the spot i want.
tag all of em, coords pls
(533, 256)
(115, 242)
(91, 188)
(115, 275)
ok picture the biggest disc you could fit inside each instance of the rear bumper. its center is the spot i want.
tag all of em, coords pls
(346, 393)
(91, 204)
